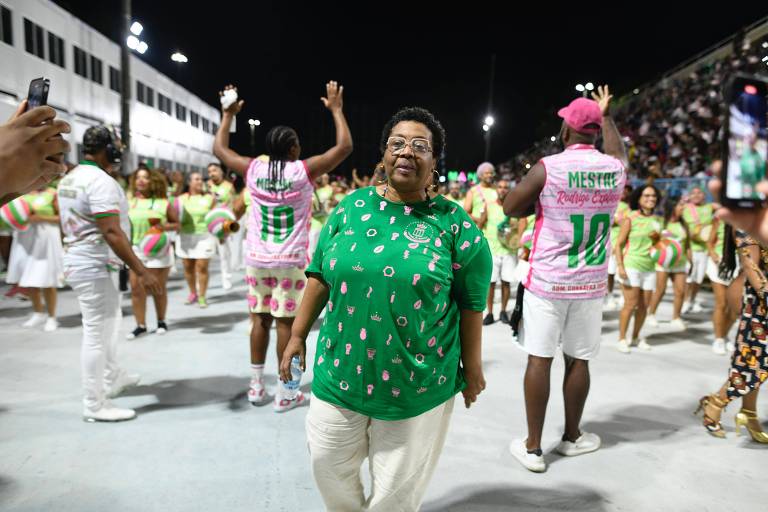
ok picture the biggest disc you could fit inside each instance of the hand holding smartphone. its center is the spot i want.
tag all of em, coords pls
(38, 92)
(745, 145)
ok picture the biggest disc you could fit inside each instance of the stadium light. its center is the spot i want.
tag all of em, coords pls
(489, 120)
(589, 86)
(136, 28)
(580, 88)
(179, 57)
(142, 48)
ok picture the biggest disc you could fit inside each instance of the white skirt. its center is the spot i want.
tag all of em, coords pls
(36, 257)
(196, 247)
(163, 261)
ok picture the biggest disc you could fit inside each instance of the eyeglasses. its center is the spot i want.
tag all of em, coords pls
(396, 145)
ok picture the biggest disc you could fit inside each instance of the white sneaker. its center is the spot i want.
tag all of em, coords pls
(679, 324)
(652, 321)
(283, 405)
(108, 412)
(36, 320)
(623, 346)
(586, 443)
(730, 347)
(718, 346)
(697, 308)
(226, 284)
(530, 461)
(257, 394)
(686, 308)
(643, 345)
(610, 304)
(51, 324)
(124, 381)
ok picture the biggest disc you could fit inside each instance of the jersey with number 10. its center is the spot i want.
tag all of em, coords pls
(278, 233)
(574, 213)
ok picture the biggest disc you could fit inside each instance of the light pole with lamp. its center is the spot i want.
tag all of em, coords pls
(585, 89)
(487, 126)
(131, 31)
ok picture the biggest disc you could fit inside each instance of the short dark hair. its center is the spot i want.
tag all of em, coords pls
(418, 115)
(634, 199)
(96, 139)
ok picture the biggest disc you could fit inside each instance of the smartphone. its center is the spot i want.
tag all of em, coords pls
(745, 145)
(38, 92)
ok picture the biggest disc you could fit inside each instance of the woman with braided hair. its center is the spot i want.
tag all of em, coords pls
(749, 362)
(281, 191)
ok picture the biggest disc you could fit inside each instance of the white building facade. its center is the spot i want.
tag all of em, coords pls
(170, 126)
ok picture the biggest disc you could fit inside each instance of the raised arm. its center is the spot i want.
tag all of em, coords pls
(221, 149)
(612, 143)
(521, 200)
(328, 161)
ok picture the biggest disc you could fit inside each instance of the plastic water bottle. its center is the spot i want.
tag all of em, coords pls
(292, 386)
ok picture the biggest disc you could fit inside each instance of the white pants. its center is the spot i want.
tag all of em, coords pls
(402, 456)
(225, 256)
(100, 305)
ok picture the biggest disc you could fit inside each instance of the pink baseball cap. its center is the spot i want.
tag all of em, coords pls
(581, 113)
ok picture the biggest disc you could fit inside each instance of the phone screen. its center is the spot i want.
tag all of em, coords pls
(747, 140)
(38, 93)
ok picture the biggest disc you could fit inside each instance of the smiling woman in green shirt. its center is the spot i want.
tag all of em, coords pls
(403, 279)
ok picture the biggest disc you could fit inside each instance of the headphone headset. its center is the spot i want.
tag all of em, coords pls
(114, 151)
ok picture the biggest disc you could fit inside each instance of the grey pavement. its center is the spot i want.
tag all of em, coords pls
(198, 445)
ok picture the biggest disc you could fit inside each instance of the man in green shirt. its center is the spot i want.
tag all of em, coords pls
(455, 194)
(496, 229)
(224, 192)
(752, 166)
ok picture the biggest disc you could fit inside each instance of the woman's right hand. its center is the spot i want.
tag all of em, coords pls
(623, 274)
(297, 346)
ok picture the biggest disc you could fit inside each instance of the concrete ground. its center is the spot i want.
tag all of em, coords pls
(199, 446)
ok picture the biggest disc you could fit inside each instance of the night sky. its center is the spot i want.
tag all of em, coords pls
(393, 54)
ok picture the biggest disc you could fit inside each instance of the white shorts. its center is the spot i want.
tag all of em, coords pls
(698, 267)
(611, 264)
(573, 324)
(159, 262)
(680, 269)
(713, 269)
(504, 268)
(643, 280)
(196, 247)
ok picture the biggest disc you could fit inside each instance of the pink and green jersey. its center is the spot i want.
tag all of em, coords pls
(574, 214)
(278, 233)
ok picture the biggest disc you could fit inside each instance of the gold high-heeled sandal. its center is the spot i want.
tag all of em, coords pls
(713, 427)
(742, 420)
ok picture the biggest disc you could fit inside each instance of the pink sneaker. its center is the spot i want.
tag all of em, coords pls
(191, 299)
(286, 405)
(257, 395)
